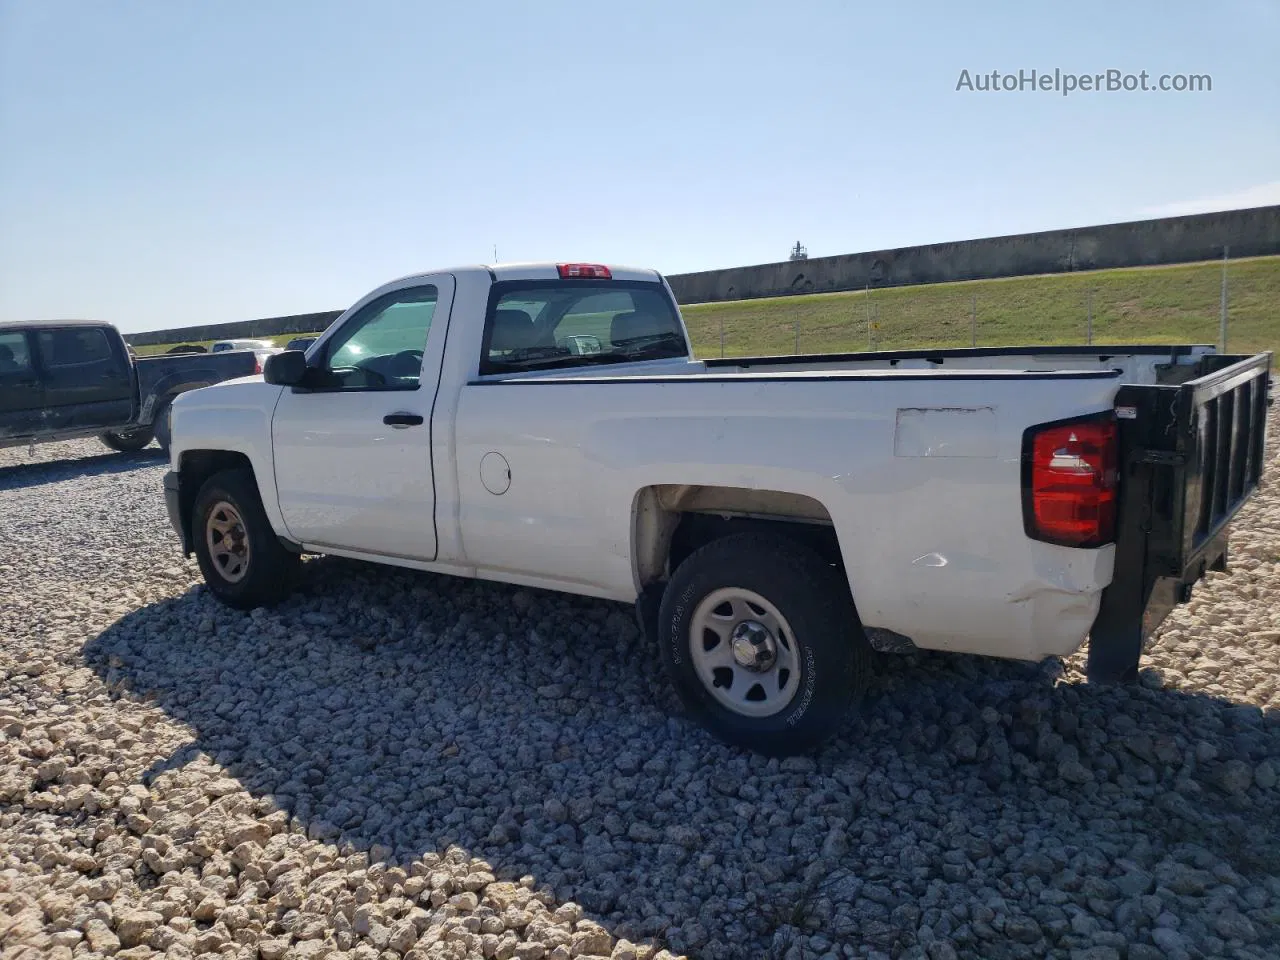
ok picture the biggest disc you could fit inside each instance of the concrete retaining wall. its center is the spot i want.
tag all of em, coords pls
(1249, 233)
(266, 327)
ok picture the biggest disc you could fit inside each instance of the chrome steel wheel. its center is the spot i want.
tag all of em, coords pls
(228, 541)
(744, 652)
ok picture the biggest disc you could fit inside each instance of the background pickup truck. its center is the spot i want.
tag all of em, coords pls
(773, 519)
(69, 379)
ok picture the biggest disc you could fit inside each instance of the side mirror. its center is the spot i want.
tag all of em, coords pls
(287, 369)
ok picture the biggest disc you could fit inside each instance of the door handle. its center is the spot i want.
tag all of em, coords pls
(402, 420)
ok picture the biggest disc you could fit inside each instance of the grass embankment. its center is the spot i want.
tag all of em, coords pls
(1139, 305)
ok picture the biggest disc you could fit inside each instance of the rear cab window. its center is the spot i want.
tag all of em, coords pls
(551, 324)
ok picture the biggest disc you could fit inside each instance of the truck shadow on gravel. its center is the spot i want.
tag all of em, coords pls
(39, 472)
(403, 713)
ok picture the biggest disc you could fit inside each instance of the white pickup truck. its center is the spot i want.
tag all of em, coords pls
(773, 519)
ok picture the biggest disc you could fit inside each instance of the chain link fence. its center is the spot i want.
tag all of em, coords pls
(1233, 304)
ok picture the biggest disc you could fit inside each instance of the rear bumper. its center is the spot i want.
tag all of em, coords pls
(173, 504)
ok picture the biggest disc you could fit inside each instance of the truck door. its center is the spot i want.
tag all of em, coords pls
(352, 446)
(88, 377)
(21, 393)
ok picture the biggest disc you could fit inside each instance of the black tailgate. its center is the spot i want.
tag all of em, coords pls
(1191, 454)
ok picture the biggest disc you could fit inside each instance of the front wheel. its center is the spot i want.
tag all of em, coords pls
(243, 563)
(761, 641)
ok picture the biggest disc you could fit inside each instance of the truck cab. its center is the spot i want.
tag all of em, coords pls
(70, 378)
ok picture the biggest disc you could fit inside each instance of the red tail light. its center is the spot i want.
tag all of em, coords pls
(1069, 482)
(584, 271)
(257, 365)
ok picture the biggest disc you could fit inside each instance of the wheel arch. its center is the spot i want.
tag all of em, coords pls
(165, 393)
(197, 466)
(257, 567)
(670, 521)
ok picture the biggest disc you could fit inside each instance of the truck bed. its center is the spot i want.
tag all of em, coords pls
(883, 440)
(1137, 363)
(882, 452)
(160, 377)
(1130, 363)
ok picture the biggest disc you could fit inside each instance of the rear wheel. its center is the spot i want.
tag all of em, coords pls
(762, 643)
(243, 563)
(160, 426)
(127, 441)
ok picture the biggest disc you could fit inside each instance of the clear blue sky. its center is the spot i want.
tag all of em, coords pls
(176, 162)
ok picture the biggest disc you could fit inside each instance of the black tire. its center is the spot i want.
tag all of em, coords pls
(160, 426)
(128, 441)
(831, 650)
(271, 570)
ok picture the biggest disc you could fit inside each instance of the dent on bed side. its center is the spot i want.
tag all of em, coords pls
(945, 432)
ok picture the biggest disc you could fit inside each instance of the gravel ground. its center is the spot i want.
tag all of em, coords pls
(397, 764)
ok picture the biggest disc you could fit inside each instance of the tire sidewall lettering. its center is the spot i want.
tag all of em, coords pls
(678, 626)
(810, 683)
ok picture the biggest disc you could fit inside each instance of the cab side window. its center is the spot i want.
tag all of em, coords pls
(15, 356)
(381, 347)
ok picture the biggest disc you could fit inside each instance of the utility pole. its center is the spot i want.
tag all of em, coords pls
(1222, 320)
(973, 320)
(868, 298)
(1090, 312)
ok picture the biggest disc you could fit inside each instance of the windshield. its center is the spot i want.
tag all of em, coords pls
(542, 324)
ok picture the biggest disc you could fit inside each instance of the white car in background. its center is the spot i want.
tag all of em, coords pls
(261, 348)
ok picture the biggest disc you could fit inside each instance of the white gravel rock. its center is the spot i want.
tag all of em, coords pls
(400, 765)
